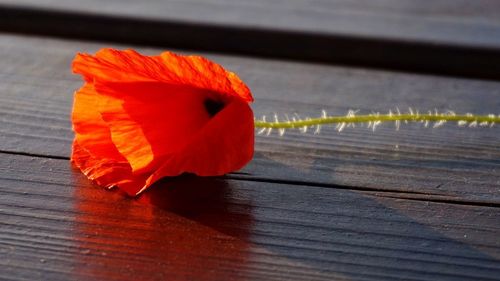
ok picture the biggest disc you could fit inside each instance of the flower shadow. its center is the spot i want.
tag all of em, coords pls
(206, 200)
(348, 234)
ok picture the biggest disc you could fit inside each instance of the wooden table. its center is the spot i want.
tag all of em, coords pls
(413, 204)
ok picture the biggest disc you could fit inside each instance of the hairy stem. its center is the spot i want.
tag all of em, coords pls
(469, 118)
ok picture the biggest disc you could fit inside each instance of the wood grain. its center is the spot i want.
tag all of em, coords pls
(413, 204)
(55, 225)
(436, 21)
(444, 37)
(450, 163)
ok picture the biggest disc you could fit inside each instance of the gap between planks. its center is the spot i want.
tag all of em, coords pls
(312, 232)
(388, 193)
(447, 59)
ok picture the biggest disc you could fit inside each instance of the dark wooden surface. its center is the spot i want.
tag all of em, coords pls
(56, 226)
(459, 22)
(443, 37)
(440, 162)
(413, 204)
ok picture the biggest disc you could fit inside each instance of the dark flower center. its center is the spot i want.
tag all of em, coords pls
(213, 107)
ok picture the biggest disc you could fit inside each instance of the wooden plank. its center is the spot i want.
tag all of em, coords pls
(449, 163)
(55, 225)
(446, 37)
(437, 21)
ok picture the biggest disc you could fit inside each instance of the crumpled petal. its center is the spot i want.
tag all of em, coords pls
(104, 172)
(213, 151)
(138, 119)
(144, 126)
(93, 138)
(129, 66)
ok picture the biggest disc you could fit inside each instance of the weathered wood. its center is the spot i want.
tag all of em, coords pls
(414, 204)
(437, 21)
(449, 163)
(54, 225)
(446, 37)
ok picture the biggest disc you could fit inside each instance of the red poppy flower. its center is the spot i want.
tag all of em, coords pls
(140, 118)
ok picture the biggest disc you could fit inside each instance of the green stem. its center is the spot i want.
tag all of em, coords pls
(484, 119)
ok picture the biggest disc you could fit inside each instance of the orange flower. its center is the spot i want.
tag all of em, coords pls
(140, 118)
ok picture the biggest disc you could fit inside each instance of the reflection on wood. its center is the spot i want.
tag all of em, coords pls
(55, 225)
(186, 236)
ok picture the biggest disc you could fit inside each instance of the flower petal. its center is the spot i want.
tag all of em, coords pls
(93, 150)
(107, 174)
(150, 119)
(91, 131)
(224, 145)
(129, 66)
(104, 172)
(140, 118)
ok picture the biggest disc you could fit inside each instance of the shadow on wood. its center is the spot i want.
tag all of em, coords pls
(56, 226)
(206, 200)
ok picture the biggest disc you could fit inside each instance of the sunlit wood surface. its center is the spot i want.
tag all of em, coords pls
(410, 204)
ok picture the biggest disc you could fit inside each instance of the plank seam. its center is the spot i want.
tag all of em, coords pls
(429, 197)
(34, 155)
(412, 56)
